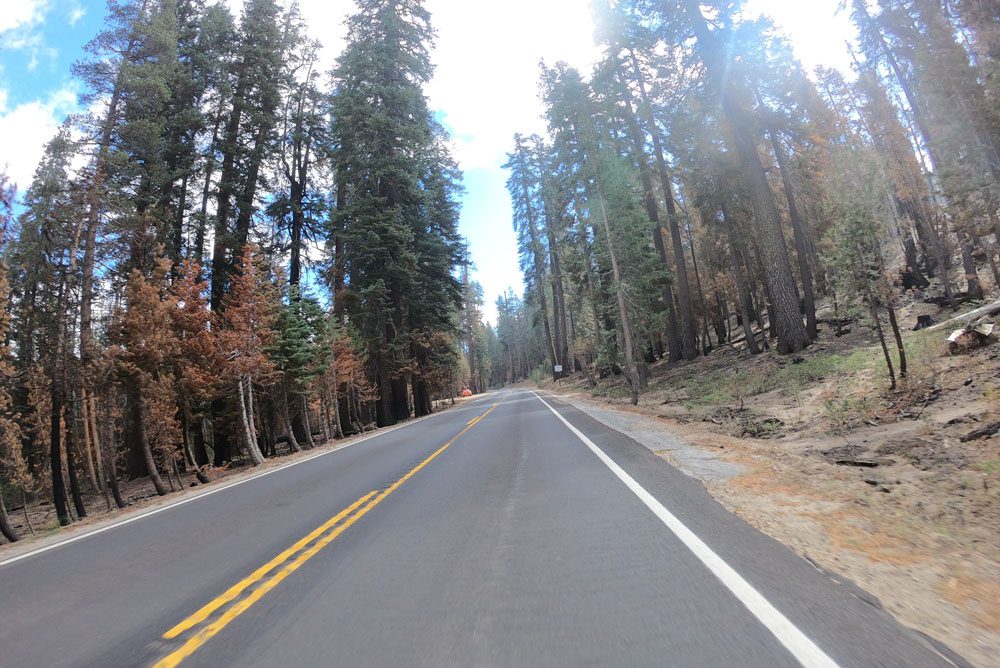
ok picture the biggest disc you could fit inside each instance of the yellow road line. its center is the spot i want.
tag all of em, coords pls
(201, 637)
(233, 592)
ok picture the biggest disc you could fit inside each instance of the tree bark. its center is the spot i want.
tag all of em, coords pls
(247, 417)
(286, 421)
(6, 528)
(69, 417)
(881, 339)
(899, 340)
(139, 416)
(110, 461)
(307, 428)
(55, 455)
(800, 235)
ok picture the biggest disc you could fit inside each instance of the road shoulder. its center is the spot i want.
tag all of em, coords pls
(831, 532)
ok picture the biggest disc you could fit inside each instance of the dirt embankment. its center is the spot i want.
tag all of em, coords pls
(896, 490)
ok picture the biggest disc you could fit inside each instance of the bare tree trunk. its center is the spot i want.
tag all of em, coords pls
(6, 528)
(24, 507)
(305, 423)
(110, 461)
(746, 306)
(707, 345)
(630, 363)
(246, 413)
(800, 235)
(899, 340)
(881, 339)
(139, 415)
(90, 423)
(188, 450)
(293, 443)
(335, 391)
(74, 482)
(88, 446)
(973, 287)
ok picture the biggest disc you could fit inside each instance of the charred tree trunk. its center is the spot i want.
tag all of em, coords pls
(900, 349)
(800, 235)
(873, 309)
(746, 305)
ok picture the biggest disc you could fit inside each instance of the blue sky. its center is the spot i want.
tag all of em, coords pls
(486, 55)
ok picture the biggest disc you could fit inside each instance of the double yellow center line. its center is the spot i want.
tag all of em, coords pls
(204, 624)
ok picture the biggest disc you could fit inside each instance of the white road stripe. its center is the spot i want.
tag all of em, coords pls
(795, 641)
(201, 495)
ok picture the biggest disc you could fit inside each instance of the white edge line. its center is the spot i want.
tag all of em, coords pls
(201, 495)
(795, 641)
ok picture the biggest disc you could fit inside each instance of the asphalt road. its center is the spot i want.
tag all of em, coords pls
(529, 540)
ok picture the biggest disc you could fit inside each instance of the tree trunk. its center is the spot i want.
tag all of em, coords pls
(286, 422)
(89, 454)
(746, 305)
(899, 340)
(306, 427)
(881, 339)
(55, 455)
(539, 271)
(630, 362)
(139, 416)
(69, 417)
(6, 528)
(800, 235)
(110, 460)
(973, 287)
(246, 416)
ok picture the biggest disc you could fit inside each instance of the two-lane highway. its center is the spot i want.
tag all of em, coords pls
(512, 531)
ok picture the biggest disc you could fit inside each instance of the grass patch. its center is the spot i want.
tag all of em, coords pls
(725, 386)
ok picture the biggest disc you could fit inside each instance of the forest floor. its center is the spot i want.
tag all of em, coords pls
(140, 497)
(883, 487)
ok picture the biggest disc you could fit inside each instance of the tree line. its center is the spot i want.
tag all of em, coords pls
(700, 188)
(232, 254)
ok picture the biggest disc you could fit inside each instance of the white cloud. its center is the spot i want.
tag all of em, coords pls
(487, 60)
(19, 13)
(26, 128)
(76, 13)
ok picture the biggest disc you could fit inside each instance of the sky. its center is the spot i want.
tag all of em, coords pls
(484, 88)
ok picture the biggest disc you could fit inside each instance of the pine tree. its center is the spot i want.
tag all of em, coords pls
(145, 362)
(246, 334)
(247, 136)
(735, 98)
(394, 230)
(198, 364)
